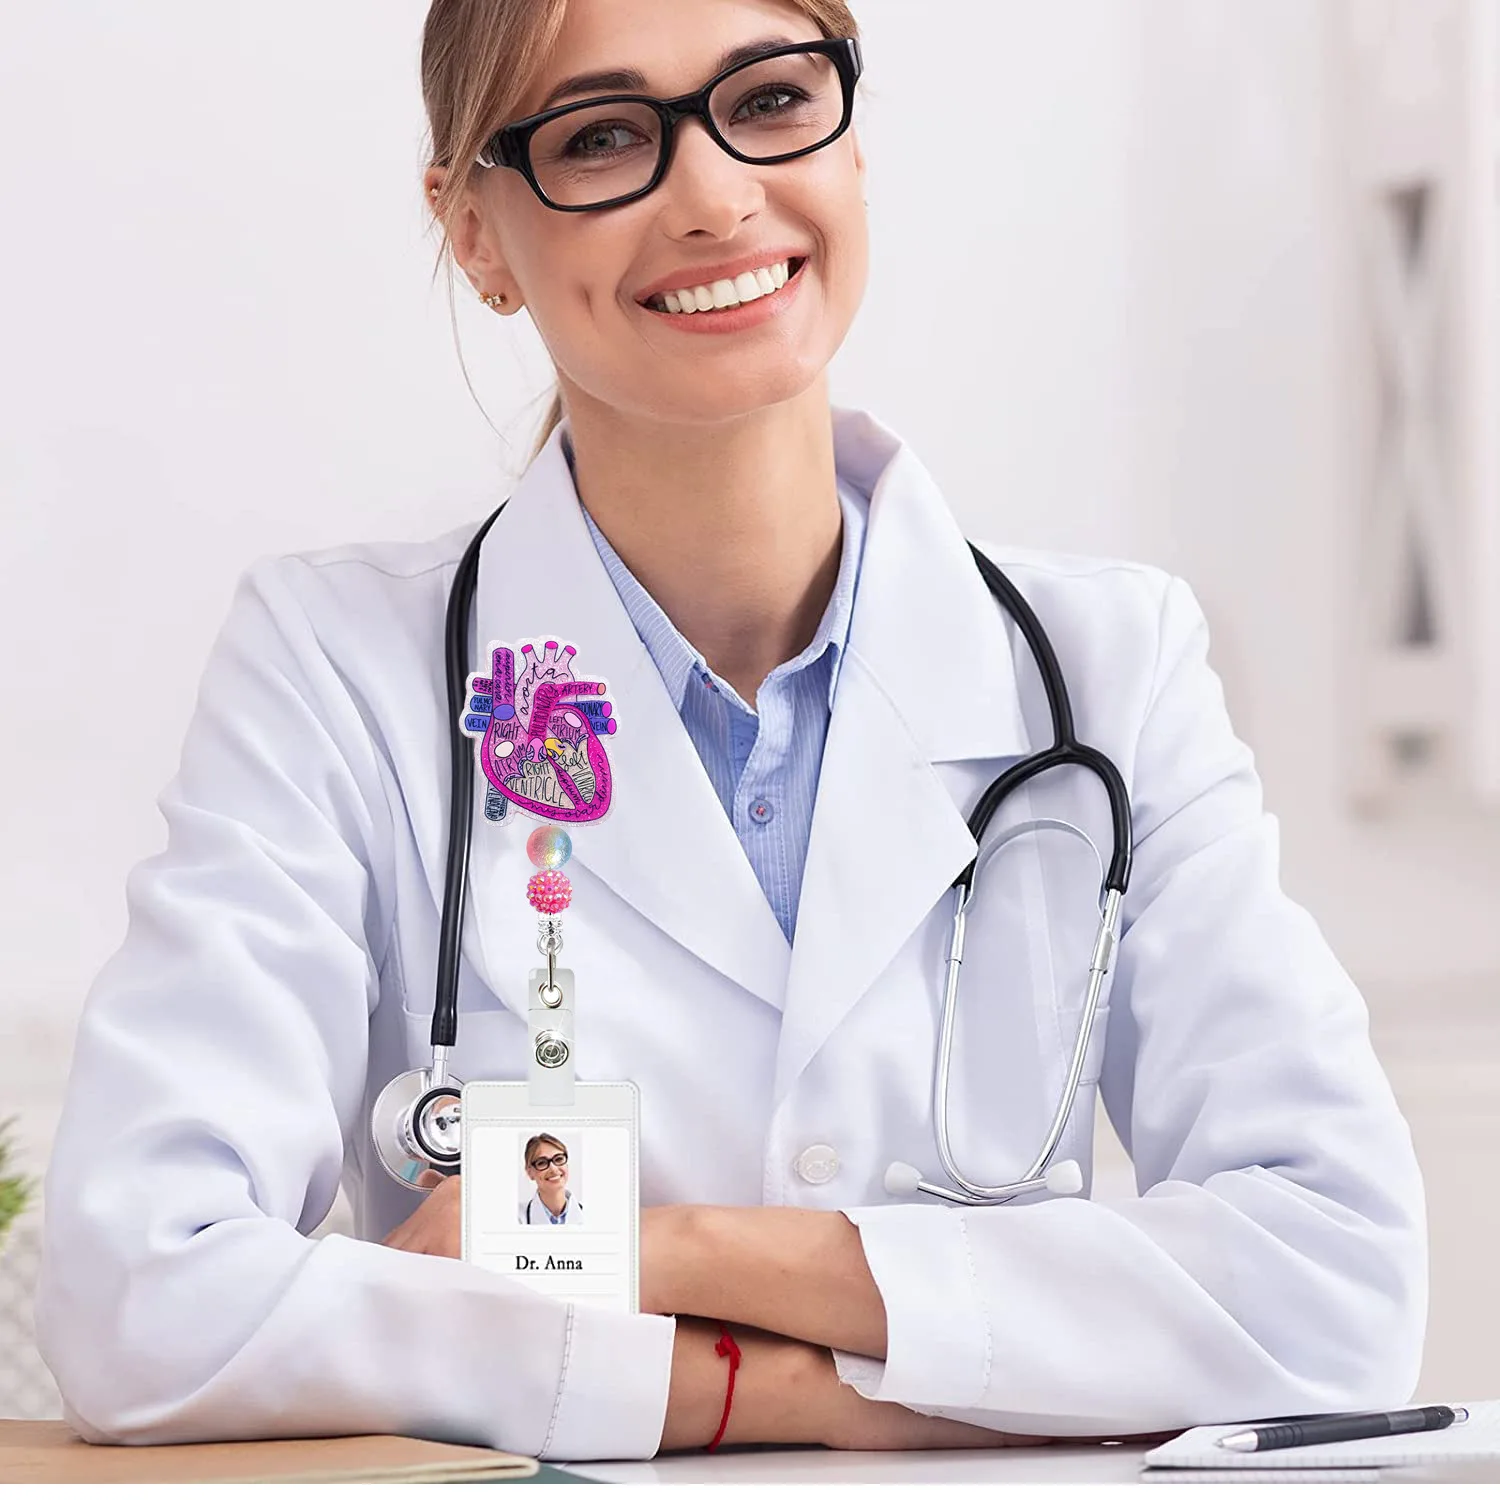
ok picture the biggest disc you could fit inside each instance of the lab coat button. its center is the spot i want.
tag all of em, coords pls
(818, 1164)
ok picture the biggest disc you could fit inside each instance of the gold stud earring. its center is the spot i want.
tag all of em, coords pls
(494, 300)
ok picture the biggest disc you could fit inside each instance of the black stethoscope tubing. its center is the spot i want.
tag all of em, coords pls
(461, 771)
(1065, 749)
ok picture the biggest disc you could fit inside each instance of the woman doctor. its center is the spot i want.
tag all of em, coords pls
(781, 604)
(551, 1201)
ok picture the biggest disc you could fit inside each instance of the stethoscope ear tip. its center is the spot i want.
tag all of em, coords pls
(1064, 1178)
(902, 1180)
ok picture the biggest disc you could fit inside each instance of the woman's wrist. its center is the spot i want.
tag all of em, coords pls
(790, 1392)
(782, 1392)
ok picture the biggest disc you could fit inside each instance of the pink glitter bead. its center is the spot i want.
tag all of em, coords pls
(549, 891)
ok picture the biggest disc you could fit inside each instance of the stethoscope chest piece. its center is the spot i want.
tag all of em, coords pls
(416, 1127)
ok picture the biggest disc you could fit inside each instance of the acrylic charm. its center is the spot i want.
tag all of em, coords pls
(540, 733)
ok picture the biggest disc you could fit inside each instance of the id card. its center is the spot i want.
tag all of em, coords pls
(551, 1192)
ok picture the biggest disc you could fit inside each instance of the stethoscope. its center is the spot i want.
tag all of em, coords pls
(1061, 1177)
(416, 1121)
(536, 1198)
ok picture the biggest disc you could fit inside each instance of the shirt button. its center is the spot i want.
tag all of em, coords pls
(818, 1164)
(761, 810)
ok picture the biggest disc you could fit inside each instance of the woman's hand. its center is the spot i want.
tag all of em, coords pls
(434, 1229)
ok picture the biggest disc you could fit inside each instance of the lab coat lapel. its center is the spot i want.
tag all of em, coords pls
(666, 846)
(928, 676)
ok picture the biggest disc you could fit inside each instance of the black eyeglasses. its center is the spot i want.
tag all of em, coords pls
(600, 153)
(545, 1163)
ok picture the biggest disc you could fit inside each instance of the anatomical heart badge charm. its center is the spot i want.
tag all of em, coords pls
(539, 732)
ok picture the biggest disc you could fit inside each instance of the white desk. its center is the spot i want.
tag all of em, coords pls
(1054, 1464)
(1059, 1463)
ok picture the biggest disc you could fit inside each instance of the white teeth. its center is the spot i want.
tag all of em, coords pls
(747, 287)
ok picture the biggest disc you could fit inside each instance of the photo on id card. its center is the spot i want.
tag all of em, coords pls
(551, 1193)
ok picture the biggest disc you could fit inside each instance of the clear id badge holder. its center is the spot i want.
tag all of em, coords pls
(551, 1175)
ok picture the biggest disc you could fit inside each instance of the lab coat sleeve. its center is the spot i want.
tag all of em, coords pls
(218, 1073)
(1275, 1261)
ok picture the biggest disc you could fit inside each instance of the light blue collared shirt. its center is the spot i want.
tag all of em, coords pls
(763, 761)
(552, 1218)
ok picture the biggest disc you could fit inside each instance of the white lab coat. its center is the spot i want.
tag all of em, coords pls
(279, 970)
(534, 1211)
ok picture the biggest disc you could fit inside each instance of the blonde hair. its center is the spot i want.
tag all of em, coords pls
(542, 1140)
(479, 58)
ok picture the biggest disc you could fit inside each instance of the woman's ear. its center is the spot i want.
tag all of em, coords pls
(476, 242)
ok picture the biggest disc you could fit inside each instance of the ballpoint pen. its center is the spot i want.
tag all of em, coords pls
(1342, 1429)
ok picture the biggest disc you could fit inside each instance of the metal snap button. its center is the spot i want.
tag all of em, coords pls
(551, 1049)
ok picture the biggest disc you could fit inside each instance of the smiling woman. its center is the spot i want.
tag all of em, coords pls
(580, 145)
(825, 695)
(546, 1165)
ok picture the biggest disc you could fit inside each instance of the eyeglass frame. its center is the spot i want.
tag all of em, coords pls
(546, 1163)
(510, 146)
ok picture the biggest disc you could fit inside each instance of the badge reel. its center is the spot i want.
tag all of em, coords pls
(551, 1175)
(550, 1171)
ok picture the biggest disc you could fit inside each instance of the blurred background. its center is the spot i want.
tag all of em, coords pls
(1206, 283)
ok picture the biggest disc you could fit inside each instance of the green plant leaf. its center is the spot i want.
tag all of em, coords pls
(15, 1191)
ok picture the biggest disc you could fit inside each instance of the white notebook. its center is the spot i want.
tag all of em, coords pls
(1478, 1438)
(1264, 1476)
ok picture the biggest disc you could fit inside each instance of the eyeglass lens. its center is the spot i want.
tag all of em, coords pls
(546, 1163)
(764, 110)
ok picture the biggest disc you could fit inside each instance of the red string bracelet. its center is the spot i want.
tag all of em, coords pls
(726, 1348)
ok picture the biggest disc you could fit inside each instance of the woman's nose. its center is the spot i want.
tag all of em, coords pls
(706, 190)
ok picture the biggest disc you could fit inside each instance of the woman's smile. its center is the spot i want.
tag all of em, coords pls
(709, 288)
(725, 306)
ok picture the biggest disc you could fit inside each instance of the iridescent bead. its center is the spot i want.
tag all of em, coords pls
(549, 891)
(549, 847)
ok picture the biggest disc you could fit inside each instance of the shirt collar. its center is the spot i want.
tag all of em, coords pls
(567, 1204)
(675, 656)
(835, 623)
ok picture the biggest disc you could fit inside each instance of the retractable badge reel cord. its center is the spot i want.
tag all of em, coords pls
(416, 1121)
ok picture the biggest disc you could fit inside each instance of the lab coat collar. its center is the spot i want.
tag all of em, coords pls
(928, 676)
(665, 846)
(925, 624)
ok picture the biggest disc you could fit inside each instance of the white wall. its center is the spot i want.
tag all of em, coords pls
(1161, 349)
(1256, 345)
(1111, 307)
